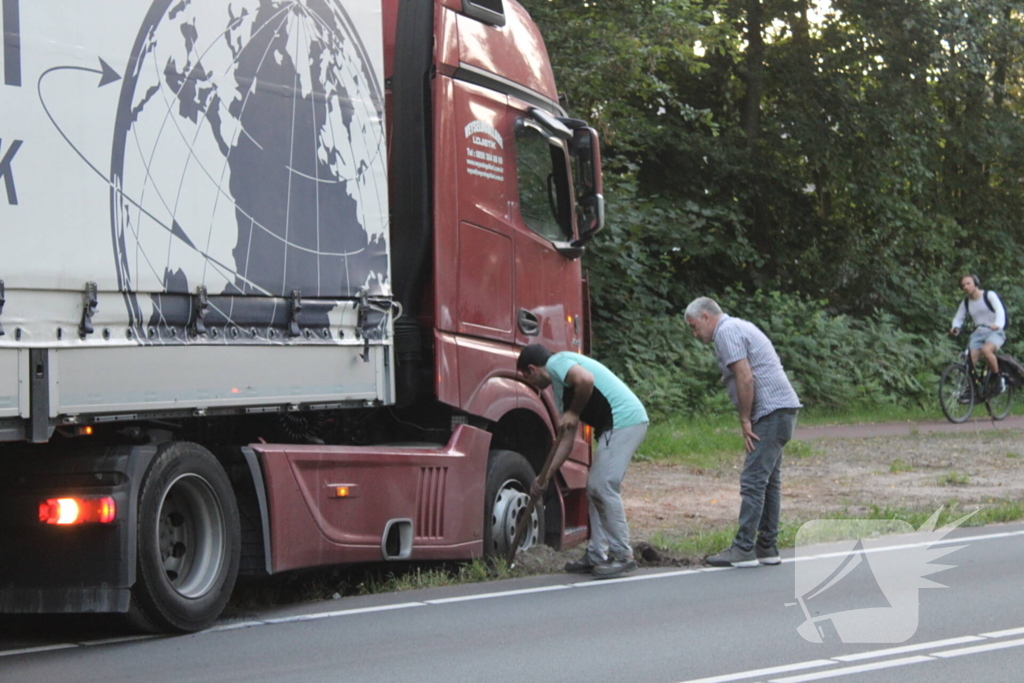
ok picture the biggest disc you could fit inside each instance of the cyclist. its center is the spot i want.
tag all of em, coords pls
(989, 317)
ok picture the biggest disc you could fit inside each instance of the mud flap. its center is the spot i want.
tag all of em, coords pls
(46, 568)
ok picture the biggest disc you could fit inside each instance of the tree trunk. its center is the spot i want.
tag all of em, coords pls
(751, 121)
(751, 112)
(1002, 62)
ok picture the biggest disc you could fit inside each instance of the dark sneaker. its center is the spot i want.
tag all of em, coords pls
(767, 555)
(733, 557)
(614, 568)
(580, 566)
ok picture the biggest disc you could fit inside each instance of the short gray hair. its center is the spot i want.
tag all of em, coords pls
(702, 305)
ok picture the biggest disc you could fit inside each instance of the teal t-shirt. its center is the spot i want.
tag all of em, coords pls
(612, 405)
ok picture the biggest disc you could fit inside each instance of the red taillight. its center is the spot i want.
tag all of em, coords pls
(66, 511)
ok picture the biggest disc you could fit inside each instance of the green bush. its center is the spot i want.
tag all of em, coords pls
(834, 361)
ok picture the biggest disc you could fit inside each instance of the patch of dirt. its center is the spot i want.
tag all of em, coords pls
(917, 471)
(543, 559)
(838, 476)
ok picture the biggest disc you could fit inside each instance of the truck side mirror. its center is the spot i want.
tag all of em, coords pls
(487, 11)
(570, 250)
(592, 210)
(551, 124)
(586, 148)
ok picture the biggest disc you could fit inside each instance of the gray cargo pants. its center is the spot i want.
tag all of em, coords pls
(609, 532)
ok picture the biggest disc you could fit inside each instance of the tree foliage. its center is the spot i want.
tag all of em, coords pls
(859, 154)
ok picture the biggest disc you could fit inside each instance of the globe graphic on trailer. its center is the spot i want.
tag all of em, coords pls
(248, 154)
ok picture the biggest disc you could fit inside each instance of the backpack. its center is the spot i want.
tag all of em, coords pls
(984, 295)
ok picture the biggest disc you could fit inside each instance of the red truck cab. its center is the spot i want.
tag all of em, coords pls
(507, 223)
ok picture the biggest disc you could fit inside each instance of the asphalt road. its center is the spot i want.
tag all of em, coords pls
(662, 626)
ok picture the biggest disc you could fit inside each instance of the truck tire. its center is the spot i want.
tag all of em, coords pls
(509, 477)
(189, 542)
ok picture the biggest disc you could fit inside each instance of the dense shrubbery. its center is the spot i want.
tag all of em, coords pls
(863, 154)
(833, 360)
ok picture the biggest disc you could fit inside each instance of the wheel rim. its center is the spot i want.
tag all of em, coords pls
(999, 405)
(191, 535)
(956, 394)
(509, 505)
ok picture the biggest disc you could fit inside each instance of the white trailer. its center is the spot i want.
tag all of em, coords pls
(187, 202)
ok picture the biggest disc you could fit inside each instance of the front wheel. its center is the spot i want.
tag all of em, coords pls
(999, 405)
(956, 393)
(509, 477)
(189, 542)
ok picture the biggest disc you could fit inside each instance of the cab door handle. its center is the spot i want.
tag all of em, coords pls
(529, 324)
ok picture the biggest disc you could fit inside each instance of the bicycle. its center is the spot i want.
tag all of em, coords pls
(961, 386)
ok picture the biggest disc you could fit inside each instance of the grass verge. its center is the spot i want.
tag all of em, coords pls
(371, 579)
(691, 546)
(713, 441)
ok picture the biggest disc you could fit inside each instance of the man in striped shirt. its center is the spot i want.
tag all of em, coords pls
(767, 407)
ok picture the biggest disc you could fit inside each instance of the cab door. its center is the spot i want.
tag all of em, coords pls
(548, 289)
(484, 256)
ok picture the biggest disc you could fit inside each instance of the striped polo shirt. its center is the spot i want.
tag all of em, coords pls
(736, 339)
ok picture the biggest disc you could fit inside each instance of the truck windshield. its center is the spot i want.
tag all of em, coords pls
(543, 184)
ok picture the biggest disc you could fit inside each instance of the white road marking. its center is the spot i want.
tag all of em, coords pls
(41, 648)
(832, 673)
(756, 673)
(488, 596)
(342, 613)
(112, 641)
(980, 648)
(908, 648)
(906, 546)
(1003, 634)
(635, 577)
(233, 626)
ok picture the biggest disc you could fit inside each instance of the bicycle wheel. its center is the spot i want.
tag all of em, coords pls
(956, 393)
(998, 406)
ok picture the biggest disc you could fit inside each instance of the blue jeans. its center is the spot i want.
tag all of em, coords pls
(761, 481)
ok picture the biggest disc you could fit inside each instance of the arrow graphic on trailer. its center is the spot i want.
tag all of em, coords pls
(107, 76)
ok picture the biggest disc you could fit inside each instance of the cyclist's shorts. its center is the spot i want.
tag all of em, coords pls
(986, 334)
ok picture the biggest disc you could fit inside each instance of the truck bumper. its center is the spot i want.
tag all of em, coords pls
(80, 600)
